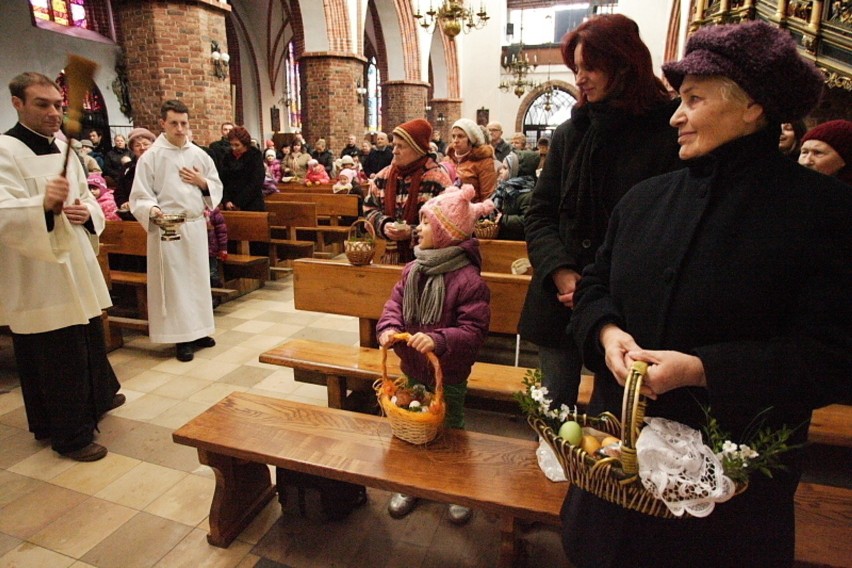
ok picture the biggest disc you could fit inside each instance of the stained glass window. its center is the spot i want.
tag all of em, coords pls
(374, 96)
(293, 89)
(91, 15)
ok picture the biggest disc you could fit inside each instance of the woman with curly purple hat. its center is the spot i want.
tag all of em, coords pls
(731, 279)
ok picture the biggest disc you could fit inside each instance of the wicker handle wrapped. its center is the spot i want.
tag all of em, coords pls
(632, 416)
(361, 220)
(388, 386)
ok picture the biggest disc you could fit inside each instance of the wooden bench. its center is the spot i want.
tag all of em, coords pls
(347, 367)
(284, 217)
(244, 433)
(239, 436)
(331, 207)
(337, 287)
(498, 256)
(300, 187)
(245, 227)
(130, 239)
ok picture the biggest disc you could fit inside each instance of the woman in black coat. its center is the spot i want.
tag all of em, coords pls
(618, 135)
(732, 279)
(242, 173)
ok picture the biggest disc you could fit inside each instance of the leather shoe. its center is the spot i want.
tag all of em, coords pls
(458, 514)
(204, 342)
(184, 352)
(117, 401)
(92, 452)
(400, 505)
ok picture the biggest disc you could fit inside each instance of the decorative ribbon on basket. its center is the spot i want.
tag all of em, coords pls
(360, 250)
(413, 426)
(617, 480)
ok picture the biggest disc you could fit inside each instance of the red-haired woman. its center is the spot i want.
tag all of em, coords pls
(242, 174)
(617, 136)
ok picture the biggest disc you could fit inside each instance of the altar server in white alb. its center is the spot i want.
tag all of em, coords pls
(176, 176)
(53, 290)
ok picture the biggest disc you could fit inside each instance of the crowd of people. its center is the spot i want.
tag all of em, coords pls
(706, 235)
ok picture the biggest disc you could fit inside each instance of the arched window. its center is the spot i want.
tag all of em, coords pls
(292, 90)
(94, 110)
(60, 15)
(550, 109)
(374, 96)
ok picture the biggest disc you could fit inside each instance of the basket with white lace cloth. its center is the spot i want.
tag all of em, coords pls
(667, 471)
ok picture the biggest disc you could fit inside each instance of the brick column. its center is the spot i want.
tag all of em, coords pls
(403, 101)
(330, 107)
(451, 109)
(167, 45)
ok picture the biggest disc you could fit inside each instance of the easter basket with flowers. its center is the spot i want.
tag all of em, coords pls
(415, 414)
(654, 466)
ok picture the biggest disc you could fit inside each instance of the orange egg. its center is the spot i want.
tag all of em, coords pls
(590, 444)
(609, 440)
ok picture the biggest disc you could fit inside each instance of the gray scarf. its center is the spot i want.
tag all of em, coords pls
(425, 308)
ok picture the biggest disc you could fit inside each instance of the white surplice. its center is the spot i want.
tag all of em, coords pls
(180, 308)
(50, 279)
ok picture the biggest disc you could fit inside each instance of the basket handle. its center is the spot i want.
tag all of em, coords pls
(433, 359)
(370, 230)
(632, 415)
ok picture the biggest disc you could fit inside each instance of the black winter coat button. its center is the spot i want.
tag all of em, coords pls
(668, 275)
(586, 243)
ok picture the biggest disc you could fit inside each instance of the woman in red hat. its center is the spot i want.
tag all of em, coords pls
(398, 191)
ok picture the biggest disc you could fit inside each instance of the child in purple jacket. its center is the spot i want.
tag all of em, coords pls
(443, 302)
(217, 243)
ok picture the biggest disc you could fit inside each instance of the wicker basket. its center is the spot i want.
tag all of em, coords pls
(613, 480)
(413, 427)
(360, 250)
(486, 229)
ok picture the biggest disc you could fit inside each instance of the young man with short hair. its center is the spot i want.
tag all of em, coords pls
(176, 176)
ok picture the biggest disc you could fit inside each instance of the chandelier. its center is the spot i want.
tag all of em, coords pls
(453, 17)
(518, 65)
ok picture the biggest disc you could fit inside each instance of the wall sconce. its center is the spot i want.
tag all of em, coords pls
(220, 60)
(440, 119)
(360, 91)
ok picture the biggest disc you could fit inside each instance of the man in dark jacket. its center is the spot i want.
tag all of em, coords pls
(351, 148)
(219, 148)
(380, 157)
(501, 147)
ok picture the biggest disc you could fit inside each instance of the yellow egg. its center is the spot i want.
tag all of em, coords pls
(590, 444)
(609, 440)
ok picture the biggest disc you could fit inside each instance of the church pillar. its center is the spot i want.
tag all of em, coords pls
(446, 112)
(167, 45)
(330, 105)
(403, 101)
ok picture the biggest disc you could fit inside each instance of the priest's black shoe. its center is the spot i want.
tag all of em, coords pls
(204, 342)
(184, 352)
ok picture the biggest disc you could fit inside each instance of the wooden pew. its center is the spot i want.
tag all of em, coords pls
(242, 435)
(300, 187)
(341, 368)
(331, 207)
(498, 256)
(243, 270)
(337, 287)
(239, 436)
(130, 239)
(284, 217)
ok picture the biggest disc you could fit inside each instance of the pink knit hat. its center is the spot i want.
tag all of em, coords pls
(452, 215)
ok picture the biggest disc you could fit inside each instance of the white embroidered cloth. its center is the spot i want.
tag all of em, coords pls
(548, 462)
(676, 466)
